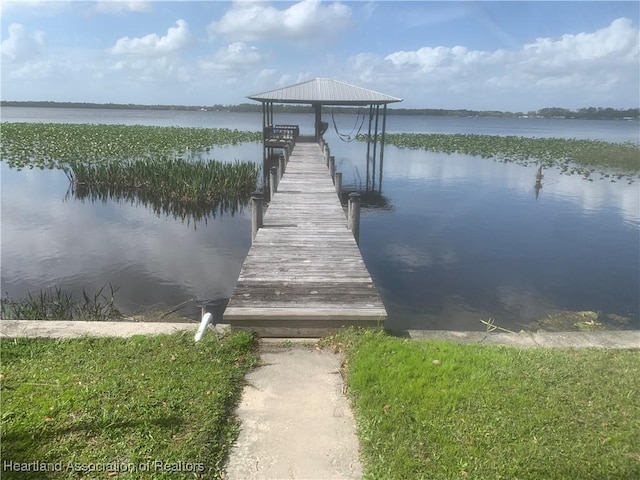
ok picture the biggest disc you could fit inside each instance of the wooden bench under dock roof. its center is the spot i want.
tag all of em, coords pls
(304, 274)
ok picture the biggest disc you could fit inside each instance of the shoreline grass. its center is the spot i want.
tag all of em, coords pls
(428, 410)
(57, 304)
(122, 403)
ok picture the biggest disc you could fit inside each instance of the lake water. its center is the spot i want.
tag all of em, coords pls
(457, 239)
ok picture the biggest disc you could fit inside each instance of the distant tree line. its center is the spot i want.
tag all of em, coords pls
(589, 113)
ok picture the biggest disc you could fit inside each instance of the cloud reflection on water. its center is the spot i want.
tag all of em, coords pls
(83, 244)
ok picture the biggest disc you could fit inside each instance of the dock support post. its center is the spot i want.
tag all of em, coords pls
(327, 154)
(281, 166)
(337, 181)
(354, 215)
(332, 168)
(273, 182)
(256, 213)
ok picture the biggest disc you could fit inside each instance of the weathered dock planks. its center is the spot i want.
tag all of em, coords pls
(304, 275)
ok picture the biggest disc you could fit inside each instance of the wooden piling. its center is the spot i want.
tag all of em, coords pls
(354, 215)
(281, 166)
(256, 213)
(273, 182)
(332, 168)
(337, 181)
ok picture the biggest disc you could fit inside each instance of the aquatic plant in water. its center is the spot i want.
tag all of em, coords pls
(155, 166)
(56, 304)
(174, 179)
(572, 156)
(49, 145)
(190, 190)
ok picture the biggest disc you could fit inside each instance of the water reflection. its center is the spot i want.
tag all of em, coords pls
(539, 176)
(189, 212)
(466, 241)
(369, 199)
(155, 260)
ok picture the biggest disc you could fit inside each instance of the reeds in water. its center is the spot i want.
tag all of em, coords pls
(192, 191)
(56, 304)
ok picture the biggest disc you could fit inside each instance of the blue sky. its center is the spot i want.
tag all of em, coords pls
(515, 56)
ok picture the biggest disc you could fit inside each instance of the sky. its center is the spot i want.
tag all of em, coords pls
(509, 56)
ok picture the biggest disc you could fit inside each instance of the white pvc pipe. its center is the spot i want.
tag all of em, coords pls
(206, 319)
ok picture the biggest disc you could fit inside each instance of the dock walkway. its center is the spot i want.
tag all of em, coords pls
(304, 275)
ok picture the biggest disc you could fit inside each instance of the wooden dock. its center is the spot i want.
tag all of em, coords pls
(304, 275)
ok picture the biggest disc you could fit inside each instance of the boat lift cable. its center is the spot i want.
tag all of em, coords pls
(350, 137)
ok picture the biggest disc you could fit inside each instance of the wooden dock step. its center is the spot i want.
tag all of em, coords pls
(304, 274)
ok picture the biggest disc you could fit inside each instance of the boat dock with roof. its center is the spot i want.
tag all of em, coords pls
(304, 275)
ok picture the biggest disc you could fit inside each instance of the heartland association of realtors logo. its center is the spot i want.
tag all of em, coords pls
(110, 467)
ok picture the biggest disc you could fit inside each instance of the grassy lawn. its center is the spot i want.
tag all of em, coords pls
(158, 404)
(437, 410)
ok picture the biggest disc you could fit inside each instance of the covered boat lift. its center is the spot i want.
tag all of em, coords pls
(318, 93)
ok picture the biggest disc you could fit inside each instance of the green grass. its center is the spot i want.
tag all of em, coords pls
(98, 403)
(437, 410)
(614, 161)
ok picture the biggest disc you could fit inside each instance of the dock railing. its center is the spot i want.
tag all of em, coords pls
(281, 132)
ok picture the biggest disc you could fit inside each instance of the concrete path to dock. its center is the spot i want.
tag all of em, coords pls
(296, 421)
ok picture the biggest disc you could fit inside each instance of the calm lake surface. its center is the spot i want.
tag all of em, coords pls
(455, 239)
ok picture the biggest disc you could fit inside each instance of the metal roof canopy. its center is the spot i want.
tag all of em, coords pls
(325, 91)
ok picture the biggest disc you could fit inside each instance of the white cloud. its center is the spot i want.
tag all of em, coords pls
(287, 79)
(616, 44)
(176, 39)
(587, 67)
(239, 53)
(248, 21)
(22, 45)
(123, 6)
(266, 73)
(33, 70)
(153, 69)
(234, 60)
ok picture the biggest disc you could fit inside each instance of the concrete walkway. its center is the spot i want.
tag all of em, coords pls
(296, 421)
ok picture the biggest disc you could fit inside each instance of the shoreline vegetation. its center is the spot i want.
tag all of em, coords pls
(587, 113)
(55, 303)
